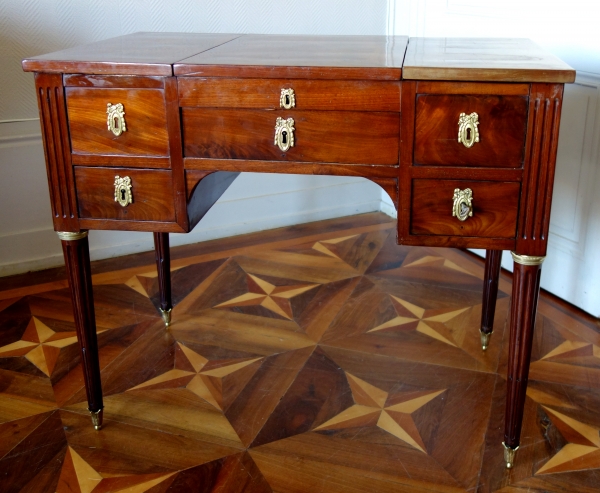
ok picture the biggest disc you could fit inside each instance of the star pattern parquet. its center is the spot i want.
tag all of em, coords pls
(321, 358)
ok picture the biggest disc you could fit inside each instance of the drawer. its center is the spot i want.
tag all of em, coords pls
(502, 125)
(145, 122)
(348, 137)
(494, 205)
(307, 94)
(151, 190)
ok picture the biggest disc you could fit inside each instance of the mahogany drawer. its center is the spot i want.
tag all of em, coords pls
(348, 137)
(145, 121)
(502, 125)
(308, 94)
(152, 194)
(494, 205)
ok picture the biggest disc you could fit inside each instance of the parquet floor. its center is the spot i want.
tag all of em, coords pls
(318, 358)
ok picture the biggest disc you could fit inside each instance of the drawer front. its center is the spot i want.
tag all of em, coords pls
(494, 205)
(307, 94)
(319, 136)
(502, 124)
(151, 191)
(145, 122)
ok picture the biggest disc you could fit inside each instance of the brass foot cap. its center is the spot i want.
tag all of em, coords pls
(509, 455)
(166, 315)
(485, 339)
(96, 419)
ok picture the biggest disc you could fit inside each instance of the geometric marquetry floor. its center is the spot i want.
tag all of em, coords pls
(318, 358)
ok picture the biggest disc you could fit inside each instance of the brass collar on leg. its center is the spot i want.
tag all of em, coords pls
(509, 455)
(70, 236)
(527, 259)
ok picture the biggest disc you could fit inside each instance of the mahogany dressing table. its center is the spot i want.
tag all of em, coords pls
(145, 132)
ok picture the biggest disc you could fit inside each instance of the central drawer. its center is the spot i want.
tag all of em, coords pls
(349, 137)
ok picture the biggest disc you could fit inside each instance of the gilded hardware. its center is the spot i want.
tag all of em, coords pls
(485, 339)
(166, 315)
(287, 99)
(463, 204)
(96, 419)
(509, 455)
(468, 133)
(284, 133)
(527, 259)
(69, 236)
(123, 193)
(116, 118)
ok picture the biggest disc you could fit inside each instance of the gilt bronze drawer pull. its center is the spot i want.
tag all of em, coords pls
(116, 118)
(468, 133)
(284, 133)
(287, 99)
(463, 204)
(123, 194)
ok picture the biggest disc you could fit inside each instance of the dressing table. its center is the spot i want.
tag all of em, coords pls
(146, 131)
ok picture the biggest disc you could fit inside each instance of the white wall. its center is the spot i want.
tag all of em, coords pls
(252, 203)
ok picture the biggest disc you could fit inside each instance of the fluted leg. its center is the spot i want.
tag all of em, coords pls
(77, 261)
(163, 265)
(526, 288)
(493, 259)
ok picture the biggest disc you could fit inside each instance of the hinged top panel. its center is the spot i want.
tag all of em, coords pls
(298, 56)
(133, 54)
(483, 59)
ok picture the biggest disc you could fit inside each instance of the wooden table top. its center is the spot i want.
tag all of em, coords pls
(307, 56)
(483, 59)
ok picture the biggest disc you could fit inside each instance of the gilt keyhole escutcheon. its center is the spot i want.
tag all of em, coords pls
(462, 207)
(123, 193)
(116, 118)
(284, 133)
(468, 133)
(287, 100)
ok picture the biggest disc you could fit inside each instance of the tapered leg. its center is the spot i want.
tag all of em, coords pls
(77, 261)
(163, 264)
(493, 258)
(526, 288)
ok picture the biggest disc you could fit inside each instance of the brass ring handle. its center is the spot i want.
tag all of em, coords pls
(284, 133)
(123, 193)
(116, 118)
(468, 132)
(287, 99)
(462, 207)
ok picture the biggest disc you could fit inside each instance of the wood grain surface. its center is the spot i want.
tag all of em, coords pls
(483, 59)
(305, 57)
(152, 194)
(315, 358)
(495, 207)
(309, 94)
(327, 136)
(145, 118)
(502, 129)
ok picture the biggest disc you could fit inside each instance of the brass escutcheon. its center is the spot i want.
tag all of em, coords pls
(116, 118)
(468, 133)
(284, 133)
(287, 99)
(123, 194)
(463, 204)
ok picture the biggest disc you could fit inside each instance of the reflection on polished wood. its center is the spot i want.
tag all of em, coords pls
(316, 358)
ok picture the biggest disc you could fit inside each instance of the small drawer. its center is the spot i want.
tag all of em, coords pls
(501, 125)
(151, 193)
(300, 94)
(145, 121)
(494, 206)
(348, 137)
